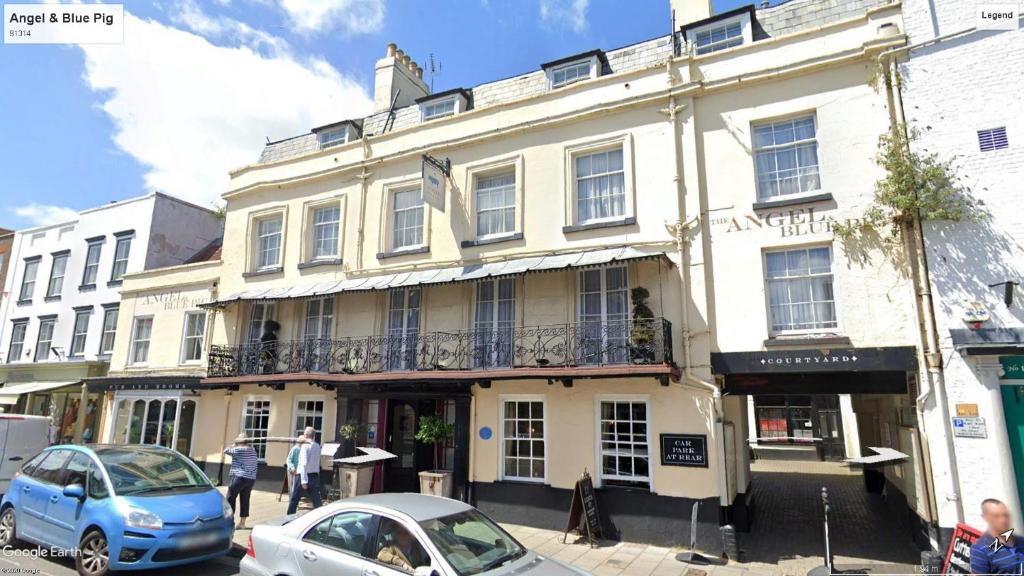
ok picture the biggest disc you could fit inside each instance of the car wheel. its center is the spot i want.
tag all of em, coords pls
(8, 528)
(93, 558)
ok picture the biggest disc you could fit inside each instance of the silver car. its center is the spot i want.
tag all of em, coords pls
(392, 535)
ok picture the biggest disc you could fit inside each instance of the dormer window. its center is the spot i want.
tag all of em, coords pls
(720, 32)
(332, 137)
(337, 134)
(570, 74)
(443, 104)
(433, 110)
(574, 69)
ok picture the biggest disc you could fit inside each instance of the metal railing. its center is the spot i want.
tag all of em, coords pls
(579, 344)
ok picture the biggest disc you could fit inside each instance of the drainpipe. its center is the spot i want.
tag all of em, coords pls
(681, 230)
(935, 381)
(364, 178)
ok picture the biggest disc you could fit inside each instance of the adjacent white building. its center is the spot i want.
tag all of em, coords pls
(59, 321)
(961, 87)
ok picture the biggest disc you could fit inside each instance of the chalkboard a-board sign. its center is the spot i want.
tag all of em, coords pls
(583, 516)
(684, 450)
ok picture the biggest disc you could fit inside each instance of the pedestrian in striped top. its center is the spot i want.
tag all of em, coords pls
(242, 476)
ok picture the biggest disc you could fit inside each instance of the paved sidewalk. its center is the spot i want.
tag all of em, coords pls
(607, 559)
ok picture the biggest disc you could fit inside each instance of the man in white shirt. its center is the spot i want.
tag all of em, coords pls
(308, 472)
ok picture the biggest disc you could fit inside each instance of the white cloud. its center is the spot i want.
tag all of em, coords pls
(42, 214)
(190, 111)
(351, 16)
(190, 15)
(565, 13)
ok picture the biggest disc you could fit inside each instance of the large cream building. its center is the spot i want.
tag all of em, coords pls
(588, 267)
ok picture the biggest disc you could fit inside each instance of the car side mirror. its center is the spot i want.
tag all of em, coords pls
(74, 491)
(425, 571)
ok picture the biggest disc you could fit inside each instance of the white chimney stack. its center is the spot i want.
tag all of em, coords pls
(396, 71)
(688, 11)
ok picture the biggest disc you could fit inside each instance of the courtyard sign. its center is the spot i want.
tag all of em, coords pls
(815, 360)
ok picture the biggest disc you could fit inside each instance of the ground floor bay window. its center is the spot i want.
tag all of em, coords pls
(165, 420)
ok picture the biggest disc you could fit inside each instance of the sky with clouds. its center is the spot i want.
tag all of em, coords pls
(199, 85)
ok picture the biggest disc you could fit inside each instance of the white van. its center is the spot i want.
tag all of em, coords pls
(21, 438)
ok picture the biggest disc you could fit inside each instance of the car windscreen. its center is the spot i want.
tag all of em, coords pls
(149, 472)
(471, 542)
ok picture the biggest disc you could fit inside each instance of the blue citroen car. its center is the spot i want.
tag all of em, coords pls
(120, 506)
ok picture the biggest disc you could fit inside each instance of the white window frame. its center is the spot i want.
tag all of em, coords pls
(795, 144)
(134, 342)
(313, 228)
(478, 211)
(115, 436)
(103, 330)
(28, 283)
(121, 261)
(493, 326)
(502, 399)
(295, 412)
(52, 323)
(652, 447)
(392, 214)
(435, 109)
(592, 72)
(270, 413)
(767, 290)
(23, 324)
(92, 268)
(185, 337)
(258, 239)
(488, 169)
(625, 141)
(746, 35)
(55, 285)
(264, 307)
(75, 334)
(605, 321)
(328, 138)
(403, 330)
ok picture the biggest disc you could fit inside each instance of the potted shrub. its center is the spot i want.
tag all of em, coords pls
(641, 344)
(353, 479)
(434, 430)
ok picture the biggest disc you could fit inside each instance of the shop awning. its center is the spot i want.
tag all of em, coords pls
(445, 275)
(988, 341)
(10, 392)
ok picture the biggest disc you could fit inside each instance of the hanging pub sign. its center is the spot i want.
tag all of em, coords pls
(435, 180)
(684, 450)
(958, 556)
(583, 516)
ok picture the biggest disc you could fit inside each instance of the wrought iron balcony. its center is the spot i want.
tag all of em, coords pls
(564, 345)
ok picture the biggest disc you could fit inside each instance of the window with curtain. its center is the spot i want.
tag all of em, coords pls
(141, 333)
(92, 263)
(44, 340)
(496, 205)
(57, 271)
(407, 219)
(28, 280)
(522, 439)
(800, 295)
(494, 321)
(786, 154)
(121, 252)
(17, 345)
(600, 186)
(625, 452)
(192, 337)
(109, 330)
(604, 316)
(80, 332)
(256, 423)
(326, 223)
(317, 332)
(268, 243)
(403, 328)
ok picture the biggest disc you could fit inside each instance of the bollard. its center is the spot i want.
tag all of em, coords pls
(826, 568)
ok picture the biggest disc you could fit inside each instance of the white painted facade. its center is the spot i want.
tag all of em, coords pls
(162, 230)
(954, 85)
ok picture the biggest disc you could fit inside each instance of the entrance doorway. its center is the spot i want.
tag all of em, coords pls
(401, 474)
(1013, 411)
